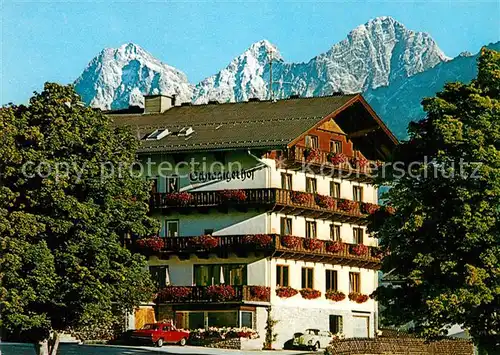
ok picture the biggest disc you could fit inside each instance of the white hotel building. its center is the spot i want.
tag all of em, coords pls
(296, 184)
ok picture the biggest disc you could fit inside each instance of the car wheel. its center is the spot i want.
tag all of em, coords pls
(316, 347)
(159, 343)
(182, 342)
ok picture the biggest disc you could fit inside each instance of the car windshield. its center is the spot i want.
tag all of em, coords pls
(312, 331)
(150, 327)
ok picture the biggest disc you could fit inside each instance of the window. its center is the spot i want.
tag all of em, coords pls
(311, 185)
(210, 274)
(357, 193)
(336, 324)
(286, 226)
(246, 319)
(310, 229)
(222, 319)
(335, 232)
(335, 146)
(208, 231)
(307, 277)
(172, 228)
(354, 282)
(172, 183)
(157, 134)
(335, 189)
(159, 275)
(286, 181)
(282, 275)
(331, 280)
(358, 235)
(312, 142)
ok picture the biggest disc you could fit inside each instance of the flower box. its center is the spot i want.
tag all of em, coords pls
(178, 199)
(335, 295)
(259, 240)
(325, 201)
(286, 292)
(346, 205)
(334, 247)
(233, 195)
(151, 244)
(290, 241)
(313, 244)
(205, 242)
(309, 293)
(174, 293)
(311, 154)
(337, 158)
(359, 249)
(369, 208)
(300, 198)
(260, 293)
(358, 297)
(221, 292)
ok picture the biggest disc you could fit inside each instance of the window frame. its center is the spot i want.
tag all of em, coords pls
(335, 189)
(171, 221)
(354, 282)
(308, 281)
(313, 182)
(338, 320)
(358, 235)
(314, 226)
(282, 270)
(311, 141)
(355, 189)
(337, 145)
(335, 232)
(286, 181)
(168, 180)
(283, 223)
(334, 280)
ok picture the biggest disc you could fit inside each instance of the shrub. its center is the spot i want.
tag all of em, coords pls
(300, 198)
(286, 292)
(151, 244)
(325, 201)
(309, 293)
(233, 195)
(205, 242)
(290, 241)
(334, 247)
(346, 205)
(178, 199)
(369, 208)
(335, 295)
(259, 240)
(221, 292)
(359, 249)
(174, 293)
(260, 293)
(358, 297)
(312, 244)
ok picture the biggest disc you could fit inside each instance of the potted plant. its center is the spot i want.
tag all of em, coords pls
(151, 244)
(174, 293)
(178, 198)
(309, 293)
(335, 295)
(286, 292)
(358, 297)
(336, 158)
(290, 241)
(233, 195)
(325, 201)
(300, 198)
(260, 293)
(334, 247)
(205, 242)
(359, 249)
(221, 292)
(311, 154)
(312, 244)
(359, 162)
(259, 240)
(346, 205)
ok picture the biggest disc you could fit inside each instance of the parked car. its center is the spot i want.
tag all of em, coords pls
(312, 339)
(159, 334)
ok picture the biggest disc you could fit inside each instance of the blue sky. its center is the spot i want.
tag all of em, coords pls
(54, 40)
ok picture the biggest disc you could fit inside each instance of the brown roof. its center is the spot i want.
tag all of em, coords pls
(251, 124)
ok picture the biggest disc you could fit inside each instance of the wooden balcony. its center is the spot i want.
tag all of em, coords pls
(271, 200)
(213, 294)
(294, 159)
(270, 245)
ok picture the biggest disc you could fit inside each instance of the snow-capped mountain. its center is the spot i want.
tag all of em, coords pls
(117, 78)
(373, 55)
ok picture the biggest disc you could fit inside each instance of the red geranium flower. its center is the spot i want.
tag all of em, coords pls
(259, 240)
(325, 201)
(346, 205)
(178, 199)
(260, 293)
(300, 197)
(369, 208)
(334, 295)
(205, 241)
(154, 244)
(221, 292)
(290, 241)
(286, 292)
(312, 244)
(233, 195)
(334, 247)
(309, 293)
(358, 297)
(359, 249)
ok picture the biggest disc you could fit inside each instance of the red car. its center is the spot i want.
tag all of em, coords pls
(159, 334)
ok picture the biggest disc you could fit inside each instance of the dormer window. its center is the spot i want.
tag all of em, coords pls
(186, 131)
(312, 142)
(158, 134)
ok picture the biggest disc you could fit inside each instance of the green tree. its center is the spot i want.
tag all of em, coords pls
(444, 235)
(63, 219)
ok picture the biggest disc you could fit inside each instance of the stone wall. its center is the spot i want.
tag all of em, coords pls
(399, 346)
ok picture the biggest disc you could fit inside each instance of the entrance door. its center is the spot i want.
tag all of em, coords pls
(360, 326)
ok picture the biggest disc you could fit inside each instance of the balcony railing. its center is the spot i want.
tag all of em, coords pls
(276, 200)
(351, 169)
(287, 247)
(215, 293)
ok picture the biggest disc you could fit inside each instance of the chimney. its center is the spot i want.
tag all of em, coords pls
(158, 103)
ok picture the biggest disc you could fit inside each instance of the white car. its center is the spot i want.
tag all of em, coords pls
(313, 339)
